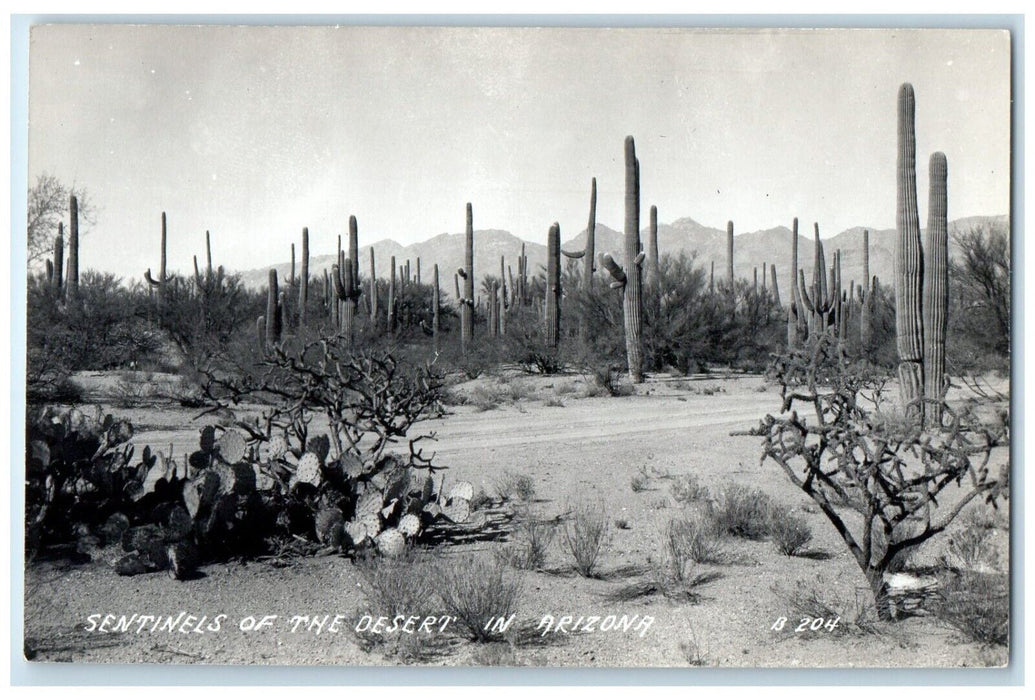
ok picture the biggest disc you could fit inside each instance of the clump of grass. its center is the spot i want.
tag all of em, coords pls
(790, 532)
(586, 536)
(475, 590)
(530, 548)
(978, 606)
(512, 485)
(403, 586)
(686, 489)
(970, 548)
(695, 538)
(805, 599)
(743, 512)
(692, 650)
(622, 524)
(639, 483)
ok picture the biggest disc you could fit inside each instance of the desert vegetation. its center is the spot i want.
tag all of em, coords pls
(308, 422)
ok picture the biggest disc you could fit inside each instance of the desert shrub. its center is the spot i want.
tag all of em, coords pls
(743, 512)
(693, 652)
(790, 532)
(401, 586)
(971, 548)
(510, 485)
(586, 535)
(696, 539)
(534, 537)
(980, 313)
(977, 605)
(818, 600)
(475, 590)
(686, 489)
(639, 482)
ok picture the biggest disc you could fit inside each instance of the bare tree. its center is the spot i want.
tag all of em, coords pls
(47, 206)
(980, 284)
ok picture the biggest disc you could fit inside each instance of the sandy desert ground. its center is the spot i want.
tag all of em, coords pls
(576, 449)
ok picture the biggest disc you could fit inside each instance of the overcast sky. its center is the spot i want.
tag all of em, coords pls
(255, 132)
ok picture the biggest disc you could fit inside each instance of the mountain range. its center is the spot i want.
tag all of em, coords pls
(707, 244)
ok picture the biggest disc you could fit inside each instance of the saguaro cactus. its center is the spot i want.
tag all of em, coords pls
(354, 249)
(630, 278)
(391, 296)
(653, 258)
(373, 290)
(503, 297)
(909, 263)
(936, 287)
(303, 287)
(72, 278)
(57, 278)
(348, 292)
(274, 313)
(794, 307)
(775, 285)
(865, 296)
(467, 273)
(729, 254)
(553, 285)
(435, 301)
(160, 283)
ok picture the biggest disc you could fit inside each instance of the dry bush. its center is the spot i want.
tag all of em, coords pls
(971, 548)
(476, 590)
(977, 605)
(790, 532)
(511, 484)
(805, 599)
(695, 538)
(639, 483)
(529, 550)
(743, 512)
(586, 536)
(686, 489)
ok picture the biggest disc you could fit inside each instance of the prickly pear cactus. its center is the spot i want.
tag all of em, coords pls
(391, 543)
(308, 471)
(231, 446)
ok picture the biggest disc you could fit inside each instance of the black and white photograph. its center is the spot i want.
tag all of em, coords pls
(518, 346)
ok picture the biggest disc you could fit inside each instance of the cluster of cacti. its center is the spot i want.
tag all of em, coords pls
(629, 278)
(345, 276)
(921, 281)
(826, 308)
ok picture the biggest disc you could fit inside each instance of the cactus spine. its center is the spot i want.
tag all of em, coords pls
(467, 302)
(909, 264)
(553, 285)
(629, 279)
(936, 288)
(72, 278)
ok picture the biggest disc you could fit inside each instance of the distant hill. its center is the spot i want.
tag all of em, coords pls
(707, 244)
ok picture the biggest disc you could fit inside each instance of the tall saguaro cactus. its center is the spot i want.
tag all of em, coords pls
(72, 278)
(373, 290)
(160, 283)
(303, 287)
(653, 258)
(59, 260)
(729, 254)
(794, 308)
(274, 313)
(866, 296)
(435, 302)
(553, 285)
(936, 287)
(467, 272)
(909, 263)
(630, 279)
